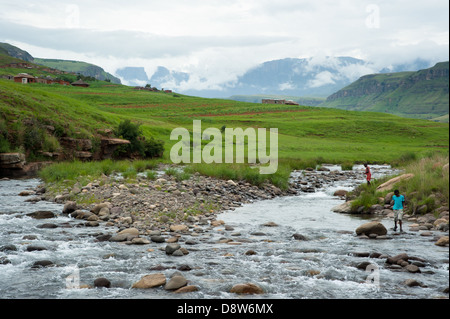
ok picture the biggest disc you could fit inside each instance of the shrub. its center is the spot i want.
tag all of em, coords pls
(347, 166)
(149, 148)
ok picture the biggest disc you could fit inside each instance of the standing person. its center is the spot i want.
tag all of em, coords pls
(398, 209)
(368, 173)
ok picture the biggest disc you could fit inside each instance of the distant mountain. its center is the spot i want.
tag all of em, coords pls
(133, 76)
(311, 77)
(162, 78)
(420, 94)
(15, 52)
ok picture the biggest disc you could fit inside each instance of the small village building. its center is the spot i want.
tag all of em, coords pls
(24, 78)
(273, 101)
(279, 101)
(80, 83)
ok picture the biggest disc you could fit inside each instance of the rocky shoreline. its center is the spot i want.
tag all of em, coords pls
(174, 214)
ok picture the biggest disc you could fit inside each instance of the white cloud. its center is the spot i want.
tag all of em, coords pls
(322, 79)
(220, 40)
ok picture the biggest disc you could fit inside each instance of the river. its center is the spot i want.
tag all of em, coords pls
(322, 266)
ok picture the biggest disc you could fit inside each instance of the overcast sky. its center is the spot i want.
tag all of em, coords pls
(220, 40)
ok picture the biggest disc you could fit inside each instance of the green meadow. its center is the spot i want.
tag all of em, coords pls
(304, 133)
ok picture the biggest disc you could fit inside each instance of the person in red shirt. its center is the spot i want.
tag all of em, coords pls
(368, 174)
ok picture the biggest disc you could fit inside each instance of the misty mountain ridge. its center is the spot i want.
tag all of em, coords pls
(420, 94)
(312, 77)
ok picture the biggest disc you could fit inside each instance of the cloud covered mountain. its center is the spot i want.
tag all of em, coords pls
(313, 77)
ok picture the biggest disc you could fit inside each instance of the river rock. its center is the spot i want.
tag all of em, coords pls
(157, 239)
(247, 288)
(9, 247)
(42, 264)
(345, 208)
(102, 283)
(47, 225)
(150, 281)
(140, 241)
(171, 248)
(299, 237)
(340, 193)
(413, 283)
(96, 209)
(371, 228)
(175, 283)
(69, 207)
(129, 231)
(27, 193)
(179, 228)
(412, 268)
(186, 289)
(443, 241)
(42, 214)
(394, 259)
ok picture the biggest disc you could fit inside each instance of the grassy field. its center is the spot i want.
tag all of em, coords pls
(305, 133)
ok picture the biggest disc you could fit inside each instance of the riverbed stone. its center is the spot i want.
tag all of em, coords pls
(140, 241)
(47, 225)
(443, 241)
(175, 282)
(179, 228)
(102, 283)
(344, 208)
(42, 214)
(299, 237)
(371, 228)
(9, 247)
(412, 268)
(171, 248)
(394, 259)
(69, 207)
(150, 281)
(157, 239)
(247, 289)
(413, 283)
(42, 264)
(186, 289)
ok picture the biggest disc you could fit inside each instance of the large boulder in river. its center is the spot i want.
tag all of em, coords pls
(390, 183)
(371, 228)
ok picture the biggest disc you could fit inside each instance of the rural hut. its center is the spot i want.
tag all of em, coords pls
(24, 78)
(80, 83)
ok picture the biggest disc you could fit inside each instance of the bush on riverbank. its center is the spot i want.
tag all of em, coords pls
(425, 192)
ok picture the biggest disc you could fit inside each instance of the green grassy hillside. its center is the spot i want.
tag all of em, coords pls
(305, 133)
(422, 94)
(83, 68)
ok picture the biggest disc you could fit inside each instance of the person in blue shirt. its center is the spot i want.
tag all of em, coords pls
(399, 201)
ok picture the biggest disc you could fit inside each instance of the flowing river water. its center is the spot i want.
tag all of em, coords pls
(322, 266)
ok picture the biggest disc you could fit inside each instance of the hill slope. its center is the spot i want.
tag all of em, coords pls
(83, 68)
(304, 133)
(422, 94)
